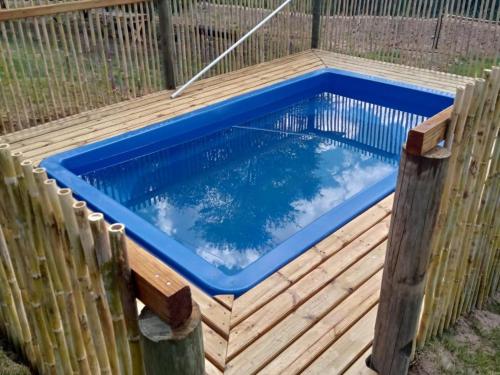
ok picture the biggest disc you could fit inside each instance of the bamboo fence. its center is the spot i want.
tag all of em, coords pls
(56, 65)
(454, 36)
(465, 263)
(65, 297)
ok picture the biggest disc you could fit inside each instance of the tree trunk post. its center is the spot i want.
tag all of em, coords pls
(173, 351)
(416, 205)
(167, 42)
(316, 23)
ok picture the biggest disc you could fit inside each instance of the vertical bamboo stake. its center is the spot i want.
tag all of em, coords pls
(66, 199)
(105, 262)
(127, 290)
(10, 278)
(89, 250)
(67, 268)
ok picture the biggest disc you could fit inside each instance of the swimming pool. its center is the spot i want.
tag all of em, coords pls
(230, 193)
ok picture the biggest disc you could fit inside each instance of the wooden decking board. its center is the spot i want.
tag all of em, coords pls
(85, 136)
(359, 366)
(422, 77)
(258, 296)
(315, 314)
(215, 347)
(347, 349)
(261, 321)
(281, 335)
(323, 334)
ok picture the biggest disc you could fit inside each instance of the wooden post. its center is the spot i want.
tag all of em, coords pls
(416, 204)
(167, 42)
(173, 351)
(316, 23)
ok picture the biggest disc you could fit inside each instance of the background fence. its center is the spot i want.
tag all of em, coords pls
(443, 249)
(83, 57)
(465, 261)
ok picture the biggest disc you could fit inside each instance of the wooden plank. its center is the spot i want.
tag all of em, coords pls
(427, 135)
(359, 367)
(50, 9)
(277, 309)
(302, 352)
(226, 300)
(211, 369)
(215, 347)
(214, 314)
(258, 296)
(160, 288)
(343, 353)
(280, 336)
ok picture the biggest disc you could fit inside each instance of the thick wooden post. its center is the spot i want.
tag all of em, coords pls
(316, 23)
(173, 351)
(416, 204)
(167, 42)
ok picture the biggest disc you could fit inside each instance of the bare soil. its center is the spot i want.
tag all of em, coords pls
(471, 347)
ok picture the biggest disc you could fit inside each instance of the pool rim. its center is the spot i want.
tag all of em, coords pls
(187, 262)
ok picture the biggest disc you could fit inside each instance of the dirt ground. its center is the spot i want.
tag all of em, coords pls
(471, 347)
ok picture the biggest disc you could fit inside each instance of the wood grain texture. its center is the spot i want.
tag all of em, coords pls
(173, 351)
(428, 134)
(159, 288)
(418, 195)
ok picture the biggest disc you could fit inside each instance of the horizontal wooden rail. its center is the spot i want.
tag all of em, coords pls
(429, 133)
(49, 9)
(158, 287)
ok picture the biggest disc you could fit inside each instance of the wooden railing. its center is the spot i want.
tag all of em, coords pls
(443, 256)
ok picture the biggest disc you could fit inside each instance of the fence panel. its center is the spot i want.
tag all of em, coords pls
(454, 36)
(57, 65)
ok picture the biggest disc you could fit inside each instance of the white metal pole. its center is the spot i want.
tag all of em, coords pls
(228, 51)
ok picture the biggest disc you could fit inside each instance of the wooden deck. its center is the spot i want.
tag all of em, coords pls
(315, 315)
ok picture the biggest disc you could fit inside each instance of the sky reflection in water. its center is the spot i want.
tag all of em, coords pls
(234, 195)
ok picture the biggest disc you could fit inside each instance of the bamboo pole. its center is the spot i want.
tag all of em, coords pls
(127, 290)
(89, 249)
(89, 312)
(11, 280)
(105, 263)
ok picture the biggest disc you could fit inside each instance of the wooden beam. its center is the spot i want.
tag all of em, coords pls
(418, 196)
(429, 133)
(158, 287)
(49, 9)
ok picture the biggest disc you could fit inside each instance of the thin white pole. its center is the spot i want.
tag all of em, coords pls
(228, 51)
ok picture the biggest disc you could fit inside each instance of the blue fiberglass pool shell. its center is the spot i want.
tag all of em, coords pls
(273, 118)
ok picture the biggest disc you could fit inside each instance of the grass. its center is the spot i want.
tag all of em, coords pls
(471, 347)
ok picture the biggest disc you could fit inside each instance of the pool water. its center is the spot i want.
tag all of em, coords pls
(233, 195)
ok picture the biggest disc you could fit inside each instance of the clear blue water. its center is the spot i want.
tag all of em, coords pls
(234, 195)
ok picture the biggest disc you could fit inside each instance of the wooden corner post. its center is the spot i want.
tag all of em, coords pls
(167, 42)
(416, 204)
(172, 350)
(316, 23)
